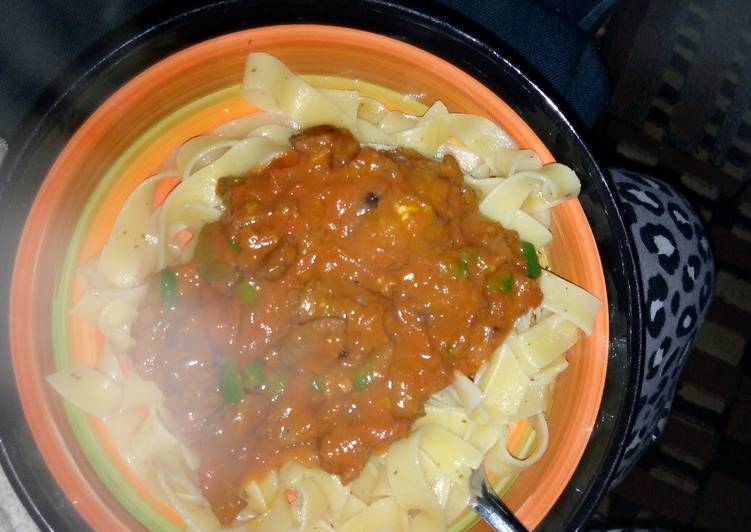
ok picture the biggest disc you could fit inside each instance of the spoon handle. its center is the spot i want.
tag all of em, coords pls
(495, 513)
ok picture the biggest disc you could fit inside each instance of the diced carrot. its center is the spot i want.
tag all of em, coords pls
(291, 495)
(144, 411)
(163, 189)
(183, 237)
(125, 364)
(98, 341)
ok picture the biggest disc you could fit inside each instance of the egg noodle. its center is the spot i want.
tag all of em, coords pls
(421, 482)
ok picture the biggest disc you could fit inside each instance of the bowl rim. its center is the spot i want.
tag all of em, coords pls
(472, 36)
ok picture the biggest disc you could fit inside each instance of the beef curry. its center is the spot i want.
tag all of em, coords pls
(341, 287)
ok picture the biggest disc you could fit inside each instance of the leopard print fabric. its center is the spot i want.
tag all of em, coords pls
(677, 275)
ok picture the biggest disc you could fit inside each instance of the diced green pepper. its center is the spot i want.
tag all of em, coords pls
(234, 244)
(448, 348)
(501, 283)
(211, 266)
(168, 285)
(315, 383)
(230, 383)
(253, 375)
(533, 263)
(364, 377)
(248, 292)
(469, 255)
(275, 388)
(462, 269)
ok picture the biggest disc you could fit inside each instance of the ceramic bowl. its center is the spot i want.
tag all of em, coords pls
(116, 124)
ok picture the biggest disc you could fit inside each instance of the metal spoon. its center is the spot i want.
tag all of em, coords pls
(489, 506)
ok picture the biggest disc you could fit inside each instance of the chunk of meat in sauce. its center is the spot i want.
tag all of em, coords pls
(342, 286)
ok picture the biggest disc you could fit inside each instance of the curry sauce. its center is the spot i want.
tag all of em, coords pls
(342, 287)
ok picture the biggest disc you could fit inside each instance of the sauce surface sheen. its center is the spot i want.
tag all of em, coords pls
(340, 289)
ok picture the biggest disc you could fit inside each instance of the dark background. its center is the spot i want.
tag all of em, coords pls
(39, 38)
(664, 87)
